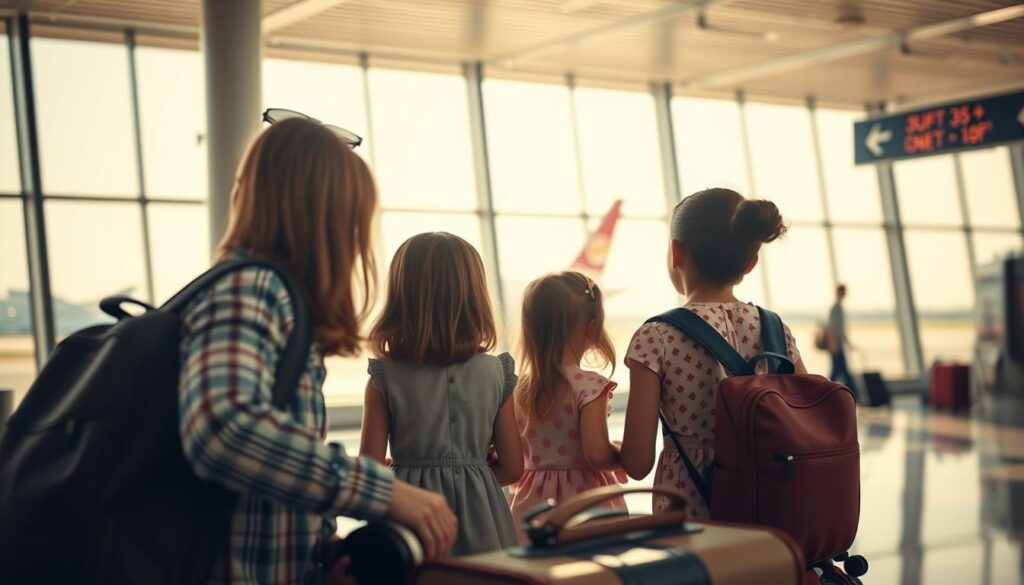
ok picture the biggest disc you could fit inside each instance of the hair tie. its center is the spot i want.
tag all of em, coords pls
(589, 291)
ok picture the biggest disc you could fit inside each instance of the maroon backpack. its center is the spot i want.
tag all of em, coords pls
(786, 449)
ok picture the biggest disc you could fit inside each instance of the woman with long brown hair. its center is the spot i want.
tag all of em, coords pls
(305, 201)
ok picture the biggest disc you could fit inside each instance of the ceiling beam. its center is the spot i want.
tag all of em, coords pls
(853, 48)
(296, 12)
(550, 46)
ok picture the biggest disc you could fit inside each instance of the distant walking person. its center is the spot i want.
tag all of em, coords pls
(838, 341)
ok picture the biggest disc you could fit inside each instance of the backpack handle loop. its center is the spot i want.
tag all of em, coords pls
(112, 306)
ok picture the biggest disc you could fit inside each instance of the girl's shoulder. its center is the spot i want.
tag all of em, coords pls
(586, 385)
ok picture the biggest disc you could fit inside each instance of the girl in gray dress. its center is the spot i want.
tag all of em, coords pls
(437, 396)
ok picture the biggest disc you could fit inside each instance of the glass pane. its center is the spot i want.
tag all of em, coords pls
(988, 182)
(709, 144)
(801, 287)
(179, 242)
(991, 246)
(852, 190)
(86, 143)
(751, 288)
(940, 277)
(619, 151)
(397, 227)
(927, 193)
(330, 93)
(17, 349)
(524, 256)
(635, 283)
(530, 147)
(10, 175)
(87, 264)
(783, 160)
(862, 264)
(172, 114)
(421, 139)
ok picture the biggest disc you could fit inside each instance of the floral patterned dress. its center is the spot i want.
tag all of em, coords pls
(689, 376)
(553, 449)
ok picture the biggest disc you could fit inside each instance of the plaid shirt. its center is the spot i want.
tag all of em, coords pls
(292, 483)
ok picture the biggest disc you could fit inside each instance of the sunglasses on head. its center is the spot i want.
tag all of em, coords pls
(275, 115)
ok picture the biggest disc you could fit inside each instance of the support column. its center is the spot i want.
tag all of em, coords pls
(965, 215)
(40, 298)
(667, 145)
(231, 51)
(906, 312)
(748, 160)
(473, 73)
(819, 163)
(1017, 166)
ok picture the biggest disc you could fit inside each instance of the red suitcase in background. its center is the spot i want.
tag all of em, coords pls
(949, 386)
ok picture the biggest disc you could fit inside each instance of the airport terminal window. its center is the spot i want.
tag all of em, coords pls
(530, 147)
(618, 139)
(86, 135)
(172, 116)
(88, 263)
(940, 276)
(709, 144)
(786, 175)
(635, 283)
(421, 141)
(523, 256)
(17, 349)
(927, 191)
(988, 182)
(801, 290)
(990, 246)
(330, 92)
(10, 176)
(179, 245)
(398, 226)
(851, 190)
(862, 263)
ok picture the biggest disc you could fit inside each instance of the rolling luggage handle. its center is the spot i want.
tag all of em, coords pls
(568, 522)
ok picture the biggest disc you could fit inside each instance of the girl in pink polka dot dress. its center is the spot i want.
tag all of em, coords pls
(716, 236)
(561, 409)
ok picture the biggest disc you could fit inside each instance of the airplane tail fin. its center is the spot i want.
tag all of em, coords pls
(594, 255)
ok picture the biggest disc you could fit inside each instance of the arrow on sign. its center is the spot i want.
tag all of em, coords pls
(876, 137)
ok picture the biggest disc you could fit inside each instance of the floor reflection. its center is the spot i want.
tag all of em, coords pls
(942, 497)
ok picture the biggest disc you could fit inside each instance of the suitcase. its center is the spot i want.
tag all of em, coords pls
(877, 393)
(949, 386)
(578, 543)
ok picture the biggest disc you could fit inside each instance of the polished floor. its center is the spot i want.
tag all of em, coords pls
(942, 497)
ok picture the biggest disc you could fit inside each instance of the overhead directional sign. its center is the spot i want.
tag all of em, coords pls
(947, 128)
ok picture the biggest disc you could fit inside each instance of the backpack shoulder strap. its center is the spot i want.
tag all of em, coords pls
(773, 337)
(292, 362)
(700, 331)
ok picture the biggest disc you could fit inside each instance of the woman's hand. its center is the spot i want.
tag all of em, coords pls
(428, 515)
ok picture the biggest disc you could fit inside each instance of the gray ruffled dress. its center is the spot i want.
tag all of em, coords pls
(442, 425)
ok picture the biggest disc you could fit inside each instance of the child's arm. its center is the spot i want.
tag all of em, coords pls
(598, 451)
(509, 466)
(376, 425)
(641, 432)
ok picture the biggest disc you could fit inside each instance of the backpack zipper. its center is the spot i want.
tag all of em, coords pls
(789, 459)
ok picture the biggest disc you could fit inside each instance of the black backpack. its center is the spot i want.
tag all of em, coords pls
(94, 486)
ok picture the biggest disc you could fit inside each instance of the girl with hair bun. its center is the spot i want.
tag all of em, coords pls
(716, 235)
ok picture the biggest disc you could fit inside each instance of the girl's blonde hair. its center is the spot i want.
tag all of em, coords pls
(554, 307)
(305, 200)
(438, 309)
